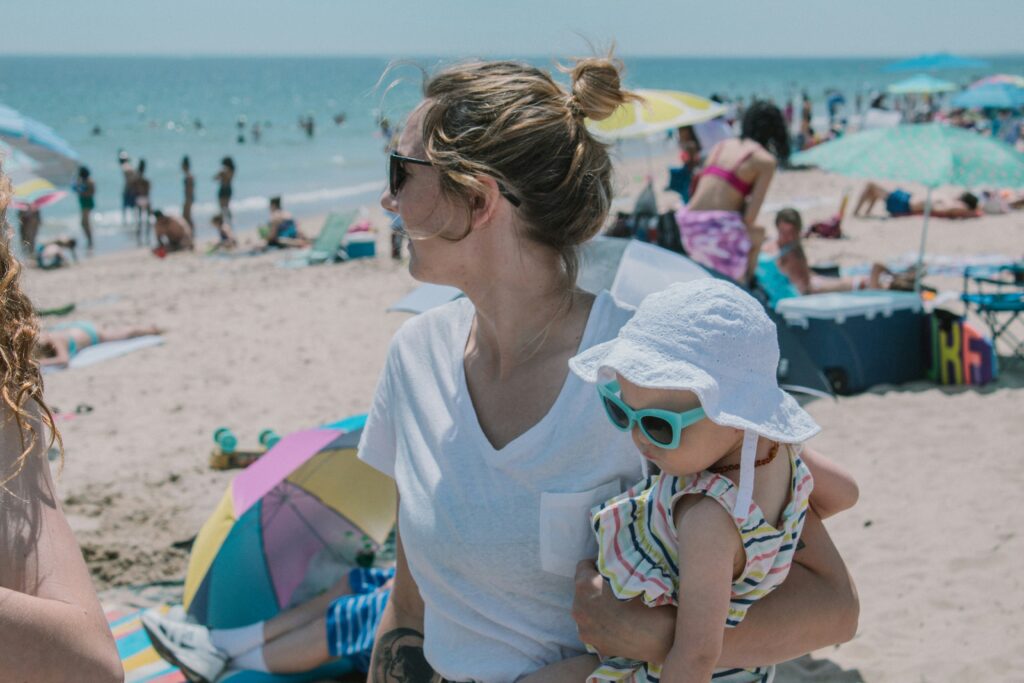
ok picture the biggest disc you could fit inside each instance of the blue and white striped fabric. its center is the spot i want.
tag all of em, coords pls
(352, 619)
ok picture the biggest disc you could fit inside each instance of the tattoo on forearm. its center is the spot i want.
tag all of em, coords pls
(398, 658)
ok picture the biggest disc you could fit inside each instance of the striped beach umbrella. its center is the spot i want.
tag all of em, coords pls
(996, 79)
(307, 502)
(931, 154)
(35, 193)
(656, 112)
(54, 158)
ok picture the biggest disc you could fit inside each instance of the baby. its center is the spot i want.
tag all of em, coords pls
(693, 377)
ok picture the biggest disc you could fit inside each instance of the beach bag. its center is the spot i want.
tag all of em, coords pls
(960, 354)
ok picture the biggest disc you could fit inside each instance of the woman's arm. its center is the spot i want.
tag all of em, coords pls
(51, 625)
(835, 489)
(815, 607)
(765, 173)
(398, 648)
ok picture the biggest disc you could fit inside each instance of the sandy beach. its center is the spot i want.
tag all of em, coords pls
(250, 345)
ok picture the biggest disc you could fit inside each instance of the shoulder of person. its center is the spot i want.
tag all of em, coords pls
(435, 324)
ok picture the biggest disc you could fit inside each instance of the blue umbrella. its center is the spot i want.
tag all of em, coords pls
(991, 96)
(936, 62)
(55, 159)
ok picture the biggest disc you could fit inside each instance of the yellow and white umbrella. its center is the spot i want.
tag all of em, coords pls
(656, 112)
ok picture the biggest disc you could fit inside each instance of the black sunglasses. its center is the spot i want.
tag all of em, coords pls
(397, 175)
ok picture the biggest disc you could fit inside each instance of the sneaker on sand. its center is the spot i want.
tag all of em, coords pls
(187, 646)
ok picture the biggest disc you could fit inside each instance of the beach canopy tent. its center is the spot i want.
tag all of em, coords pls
(305, 509)
(990, 96)
(656, 111)
(931, 154)
(35, 193)
(54, 158)
(921, 84)
(1009, 79)
(937, 61)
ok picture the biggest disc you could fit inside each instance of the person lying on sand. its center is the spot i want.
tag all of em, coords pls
(172, 232)
(55, 253)
(900, 203)
(291, 642)
(61, 343)
(282, 231)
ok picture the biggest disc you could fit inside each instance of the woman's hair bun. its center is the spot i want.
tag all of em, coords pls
(597, 87)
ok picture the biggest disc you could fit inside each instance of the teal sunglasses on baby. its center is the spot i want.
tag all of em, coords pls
(663, 428)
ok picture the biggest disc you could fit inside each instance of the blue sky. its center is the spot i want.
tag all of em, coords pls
(512, 27)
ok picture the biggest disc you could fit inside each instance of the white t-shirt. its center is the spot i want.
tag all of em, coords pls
(492, 537)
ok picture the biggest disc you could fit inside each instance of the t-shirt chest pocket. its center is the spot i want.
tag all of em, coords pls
(565, 533)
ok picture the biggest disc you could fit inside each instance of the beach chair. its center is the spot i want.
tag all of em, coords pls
(327, 244)
(996, 295)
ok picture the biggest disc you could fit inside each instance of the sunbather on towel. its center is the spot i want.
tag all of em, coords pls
(51, 624)
(901, 203)
(62, 342)
(282, 231)
(292, 642)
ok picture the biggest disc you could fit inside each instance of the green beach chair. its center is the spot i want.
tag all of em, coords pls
(328, 242)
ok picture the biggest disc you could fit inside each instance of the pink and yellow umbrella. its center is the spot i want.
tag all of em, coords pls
(36, 193)
(997, 79)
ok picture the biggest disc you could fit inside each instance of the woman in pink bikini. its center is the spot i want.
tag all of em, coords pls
(718, 227)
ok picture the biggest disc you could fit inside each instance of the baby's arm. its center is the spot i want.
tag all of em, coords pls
(835, 489)
(709, 546)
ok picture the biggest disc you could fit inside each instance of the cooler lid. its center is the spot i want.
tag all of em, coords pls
(839, 306)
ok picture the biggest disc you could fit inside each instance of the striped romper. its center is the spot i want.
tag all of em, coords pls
(638, 554)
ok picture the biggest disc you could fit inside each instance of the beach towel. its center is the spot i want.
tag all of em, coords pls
(141, 662)
(938, 264)
(102, 352)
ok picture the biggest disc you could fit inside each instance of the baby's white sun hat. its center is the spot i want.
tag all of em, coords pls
(710, 337)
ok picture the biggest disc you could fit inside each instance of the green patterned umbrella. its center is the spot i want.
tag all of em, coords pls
(931, 154)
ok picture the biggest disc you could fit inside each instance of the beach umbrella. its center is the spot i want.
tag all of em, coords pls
(1010, 79)
(990, 96)
(54, 158)
(931, 154)
(35, 193)
(922, 84)
(308, 502)
(656, 112)
(938, 61)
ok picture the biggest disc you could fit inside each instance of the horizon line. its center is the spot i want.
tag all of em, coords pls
(254, 55)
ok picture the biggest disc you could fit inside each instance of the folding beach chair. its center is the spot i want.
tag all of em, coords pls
(996, 295)
(328, 242)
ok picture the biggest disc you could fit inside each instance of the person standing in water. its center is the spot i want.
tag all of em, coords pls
(128, 193)
(190, 193)
(224, 177)
(143, 211)
(85, 188)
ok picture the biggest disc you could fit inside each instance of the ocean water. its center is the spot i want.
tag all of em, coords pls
(150, 106)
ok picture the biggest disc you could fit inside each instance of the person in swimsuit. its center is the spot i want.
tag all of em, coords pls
(901, 203)
(282, 230)
(172, 232)
(224, 178)
(143, 212)
(62, 342)
(51, 254)
(190, 194)
(85, 188)
(29, 221)
(719, 227)
(128, 193)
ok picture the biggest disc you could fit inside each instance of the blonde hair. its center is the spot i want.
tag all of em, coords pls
(514, 123)
(20, 377)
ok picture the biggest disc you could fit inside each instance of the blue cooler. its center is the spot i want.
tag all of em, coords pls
(361, 245)
(860, 339)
